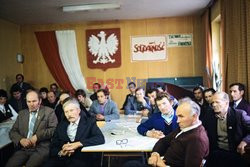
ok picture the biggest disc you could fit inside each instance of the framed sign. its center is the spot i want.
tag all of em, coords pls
(148, 48)
(179, 40)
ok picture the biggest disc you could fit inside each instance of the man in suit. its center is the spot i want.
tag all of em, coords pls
(198, 96)
(131, 87)
(96, 87)
(237, 91)
(103, 108)
(32, 132)
(24, 86)
(138, 104)
(17, 100)
(228, 131)
(71, 135)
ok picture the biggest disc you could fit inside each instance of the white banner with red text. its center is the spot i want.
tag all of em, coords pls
(148, 48)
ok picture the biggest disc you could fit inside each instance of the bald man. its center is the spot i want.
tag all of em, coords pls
(228, 131)
(32, 133)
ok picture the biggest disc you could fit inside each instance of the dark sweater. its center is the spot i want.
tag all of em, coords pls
(188, 149)
(158, 123)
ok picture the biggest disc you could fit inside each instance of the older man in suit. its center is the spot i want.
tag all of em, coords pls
(103, 108)
(32, 132)
(237, 91)
(228, 131)
(71, 135)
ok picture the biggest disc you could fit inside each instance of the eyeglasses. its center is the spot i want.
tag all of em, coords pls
(122, 143)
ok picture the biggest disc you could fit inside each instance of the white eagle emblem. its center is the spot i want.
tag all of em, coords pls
(103, 49)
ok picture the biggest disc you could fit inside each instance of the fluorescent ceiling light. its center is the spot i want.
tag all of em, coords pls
(87, 7)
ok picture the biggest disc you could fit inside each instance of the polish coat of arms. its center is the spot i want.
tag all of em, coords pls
(103, 48)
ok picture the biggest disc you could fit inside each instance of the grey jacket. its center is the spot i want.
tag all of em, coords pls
(110, 110)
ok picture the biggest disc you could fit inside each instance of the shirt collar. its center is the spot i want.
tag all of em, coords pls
(188, 128)
(237, 102)
(191, 127)
(76, 123)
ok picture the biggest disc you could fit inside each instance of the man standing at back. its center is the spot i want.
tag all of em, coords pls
(237, 91)
(32, 132)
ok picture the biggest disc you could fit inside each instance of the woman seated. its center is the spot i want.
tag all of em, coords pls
(161, 123)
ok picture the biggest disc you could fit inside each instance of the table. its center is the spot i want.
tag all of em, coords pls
(121, 137)
(4, 132)
(6, 149)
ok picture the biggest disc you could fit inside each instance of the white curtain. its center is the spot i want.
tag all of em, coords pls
(69, 57)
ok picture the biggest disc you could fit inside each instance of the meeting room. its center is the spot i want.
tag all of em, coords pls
(122, 83)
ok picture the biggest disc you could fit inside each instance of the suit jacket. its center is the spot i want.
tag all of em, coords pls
(14, 103)
(243, 105)
(133, 106)
(87, 133)
(110, 110)
(238, 128)
(126, 101)
(44, 128)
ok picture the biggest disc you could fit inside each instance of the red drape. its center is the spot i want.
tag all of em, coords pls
(49, 48)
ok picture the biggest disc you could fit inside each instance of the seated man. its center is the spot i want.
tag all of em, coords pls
(96, 87)
(6, 110)
(59, 108)
(161, 123)
(237, 91)
(54, 88)
(151, 94)
(71, 135)
(187, 145)
(53, 100)
(228, 131)
(83, 99)
(103, 108)
(17, 100)
(32, 132)
(138, 104)
(131, 87)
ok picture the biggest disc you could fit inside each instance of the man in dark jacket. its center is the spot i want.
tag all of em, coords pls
(237, 91)
(228, 131)
(71, 135)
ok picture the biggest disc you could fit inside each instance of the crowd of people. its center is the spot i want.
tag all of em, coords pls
(51, 126)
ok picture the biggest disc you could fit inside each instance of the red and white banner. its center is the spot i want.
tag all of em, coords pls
(148, 48)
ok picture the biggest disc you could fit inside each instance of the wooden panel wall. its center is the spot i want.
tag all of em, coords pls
(9, 47)
(181, 61)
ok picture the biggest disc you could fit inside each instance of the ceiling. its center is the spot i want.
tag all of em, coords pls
(50, 11)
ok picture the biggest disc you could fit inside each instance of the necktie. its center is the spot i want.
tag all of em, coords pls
(32, 124)
(234, 105)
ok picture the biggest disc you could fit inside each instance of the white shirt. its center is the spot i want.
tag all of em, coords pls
(14, 113)
(188, 128)
(237, 102)
(72, 129)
